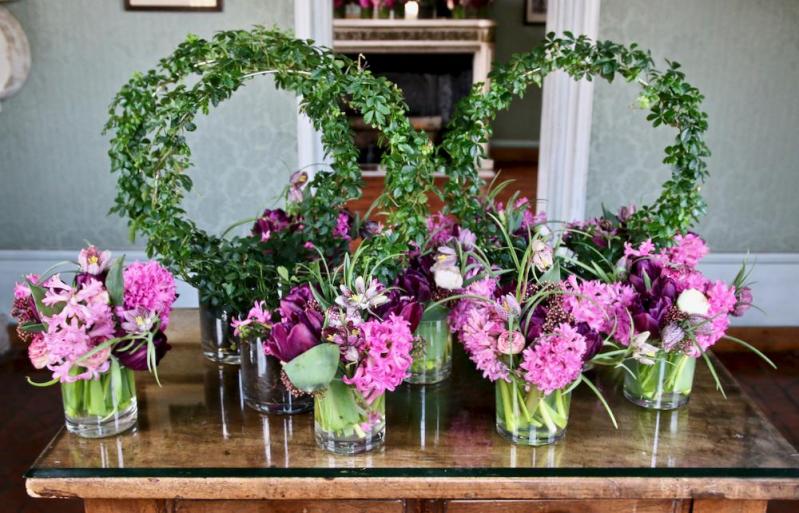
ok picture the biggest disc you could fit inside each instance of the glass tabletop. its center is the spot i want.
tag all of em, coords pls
(196, 425)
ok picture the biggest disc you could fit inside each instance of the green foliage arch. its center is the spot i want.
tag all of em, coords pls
(151, 114)
(669, 99)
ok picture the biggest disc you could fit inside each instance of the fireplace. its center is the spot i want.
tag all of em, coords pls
(434, 62)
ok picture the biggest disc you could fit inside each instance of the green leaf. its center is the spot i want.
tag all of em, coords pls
(33, 327)
(115, 282)
(283, 273)
(38, 292)
(314, 369)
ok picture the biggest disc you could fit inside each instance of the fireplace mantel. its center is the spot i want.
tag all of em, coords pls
(414, 36)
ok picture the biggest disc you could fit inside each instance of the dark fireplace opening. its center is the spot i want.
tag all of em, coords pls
(432, 84)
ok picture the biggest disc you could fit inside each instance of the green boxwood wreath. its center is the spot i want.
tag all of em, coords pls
(668, 97)
(151, 113)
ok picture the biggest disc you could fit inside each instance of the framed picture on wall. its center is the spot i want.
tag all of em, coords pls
(535, 12)
(173, 5)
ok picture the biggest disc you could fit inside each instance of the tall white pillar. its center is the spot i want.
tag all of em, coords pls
(566, 120)
(312, 20)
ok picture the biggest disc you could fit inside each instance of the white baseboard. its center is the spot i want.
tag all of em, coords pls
(775, 277)
(775, 283)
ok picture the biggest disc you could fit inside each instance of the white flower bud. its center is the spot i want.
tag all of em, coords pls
(448, 278)
(693, 302)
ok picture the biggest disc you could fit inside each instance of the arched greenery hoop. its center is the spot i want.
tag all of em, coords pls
(152, 112)
(668, 97)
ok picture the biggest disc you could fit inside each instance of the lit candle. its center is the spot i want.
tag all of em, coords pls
(411, 10)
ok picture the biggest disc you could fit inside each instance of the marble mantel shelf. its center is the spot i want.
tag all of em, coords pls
(412, 36)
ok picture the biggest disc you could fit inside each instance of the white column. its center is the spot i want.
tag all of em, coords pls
(312, 20)
(566, 120)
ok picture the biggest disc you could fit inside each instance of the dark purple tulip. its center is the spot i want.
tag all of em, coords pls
(403, 306)
(416, 284)
(534, 326)
(287, 341)
(412, 312)
(296, 301)
(593, 342)
(652, 304)
(271, 221)
(137, 358)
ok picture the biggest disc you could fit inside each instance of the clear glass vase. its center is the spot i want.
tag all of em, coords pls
(528, 417)
(263, 389)
(663, 385)
(219, 344)
(101, 407)
(345, 423)
(433, 363)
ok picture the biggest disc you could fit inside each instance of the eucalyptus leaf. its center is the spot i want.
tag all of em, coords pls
(314, 369)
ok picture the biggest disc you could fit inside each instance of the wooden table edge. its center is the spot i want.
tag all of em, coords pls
(232, 488)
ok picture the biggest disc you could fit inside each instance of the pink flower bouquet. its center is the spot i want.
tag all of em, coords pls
(533, 334)
(345, 340)
(91, 334)
(677, 314)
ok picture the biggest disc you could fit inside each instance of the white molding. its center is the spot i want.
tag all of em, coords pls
(566, 120)
(514, 143)
(775, 277)
(312, 20)
(775, 281)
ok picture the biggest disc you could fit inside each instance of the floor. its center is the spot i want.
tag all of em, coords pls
(518, 166)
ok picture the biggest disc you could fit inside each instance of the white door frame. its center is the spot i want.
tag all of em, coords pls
(566, 121)
(312, 20)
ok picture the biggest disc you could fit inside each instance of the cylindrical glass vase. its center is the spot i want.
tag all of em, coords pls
(663, 385)
(219, 344)
(345, 423)
(433, 361)
(528, 417)
(264, 391)
(101, 407)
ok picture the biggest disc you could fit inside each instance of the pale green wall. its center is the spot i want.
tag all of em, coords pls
(522, 122)
(55, 184)
(744, 56)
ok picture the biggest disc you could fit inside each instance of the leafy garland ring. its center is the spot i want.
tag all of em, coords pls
(152, 112)
(668, 97)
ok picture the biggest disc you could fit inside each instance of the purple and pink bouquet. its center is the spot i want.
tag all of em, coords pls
(677, 314)
(93, 332)
(347, 342)
(533, 334)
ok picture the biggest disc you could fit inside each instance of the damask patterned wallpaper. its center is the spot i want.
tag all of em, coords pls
(55, 184)
(744, 56)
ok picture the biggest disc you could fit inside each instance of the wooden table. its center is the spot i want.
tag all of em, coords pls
(198, 449)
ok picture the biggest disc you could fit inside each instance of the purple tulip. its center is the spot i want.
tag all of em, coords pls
(271, 221)
(656, 296)
(415, 284)
(593, 342)
(287, 340)
(136, 359)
